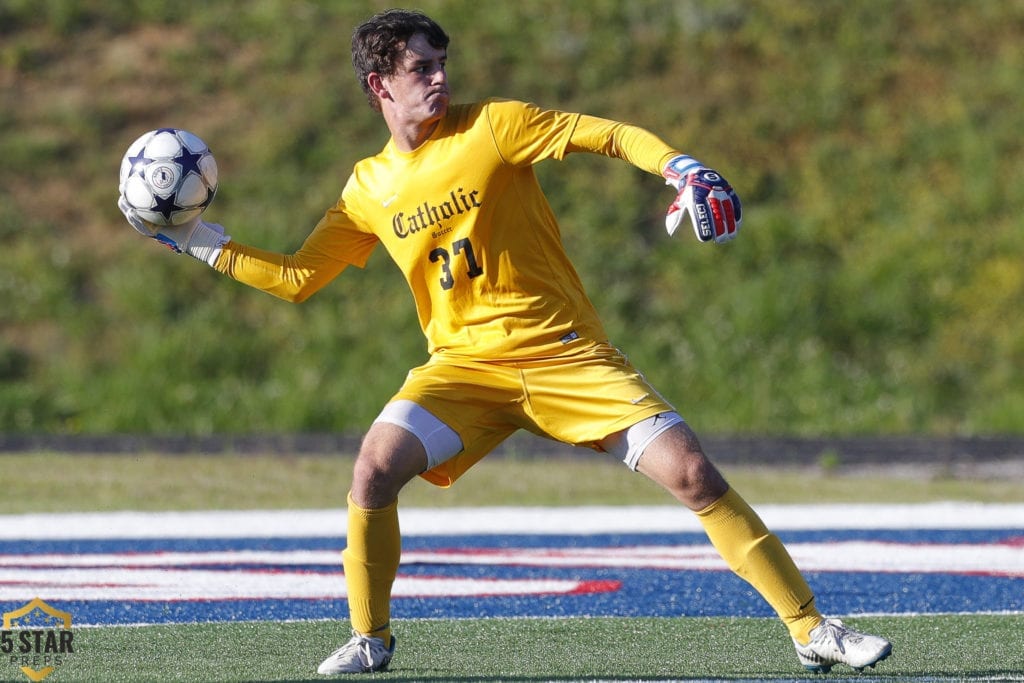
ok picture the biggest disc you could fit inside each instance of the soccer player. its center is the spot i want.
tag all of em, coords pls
(514, 341)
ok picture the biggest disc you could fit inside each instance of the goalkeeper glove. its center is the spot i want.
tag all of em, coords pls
(194, 237)
(714, 208)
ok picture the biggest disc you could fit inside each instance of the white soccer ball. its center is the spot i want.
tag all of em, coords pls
(169, 176)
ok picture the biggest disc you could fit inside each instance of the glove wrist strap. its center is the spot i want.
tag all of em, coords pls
(678, 168)
(206, 243)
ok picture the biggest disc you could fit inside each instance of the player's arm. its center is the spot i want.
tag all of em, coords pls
(632, 144)
(293, 277)
(714, 208)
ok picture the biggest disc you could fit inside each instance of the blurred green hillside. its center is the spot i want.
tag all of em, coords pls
(877, 285)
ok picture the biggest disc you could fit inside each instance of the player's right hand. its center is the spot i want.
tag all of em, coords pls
(174, 237)
(202, 236)
(133, 218)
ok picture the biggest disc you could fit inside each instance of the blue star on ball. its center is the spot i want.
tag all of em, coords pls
(189, 162)
(138, 162)
(165, 205)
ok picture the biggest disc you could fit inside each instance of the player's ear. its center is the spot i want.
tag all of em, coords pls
(377, 86)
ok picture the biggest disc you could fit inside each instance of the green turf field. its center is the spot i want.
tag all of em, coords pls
(926, 648)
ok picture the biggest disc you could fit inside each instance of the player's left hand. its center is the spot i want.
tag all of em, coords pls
(714, 208)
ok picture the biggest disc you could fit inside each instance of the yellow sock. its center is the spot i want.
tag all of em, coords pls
(370, 559)
(758, 556)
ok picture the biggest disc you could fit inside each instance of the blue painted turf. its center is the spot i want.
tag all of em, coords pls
(641, 592)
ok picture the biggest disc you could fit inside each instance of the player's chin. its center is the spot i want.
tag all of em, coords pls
(439, 101)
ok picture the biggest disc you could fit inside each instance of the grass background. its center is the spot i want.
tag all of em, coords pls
(60, 482)
(876, 144)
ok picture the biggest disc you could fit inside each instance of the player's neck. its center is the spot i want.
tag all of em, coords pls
(409, 135)
(408, 140)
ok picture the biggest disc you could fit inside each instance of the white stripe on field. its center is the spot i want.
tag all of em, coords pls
(498, 520)
(117, 583)
(1001, 559)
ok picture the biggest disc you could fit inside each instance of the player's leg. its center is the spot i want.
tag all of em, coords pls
(676, 461)
(399, 446)
(673, 458)
(442, 420)
(593, 392)
(389, 458)
(597, 398)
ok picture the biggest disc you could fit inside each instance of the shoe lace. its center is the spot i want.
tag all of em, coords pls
(359, 644)
(364, 645)
(834, 631)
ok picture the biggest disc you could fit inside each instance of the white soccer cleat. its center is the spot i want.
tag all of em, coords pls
(360, 655)
(832, 643)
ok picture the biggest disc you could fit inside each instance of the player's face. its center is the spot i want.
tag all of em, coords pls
(419, 87)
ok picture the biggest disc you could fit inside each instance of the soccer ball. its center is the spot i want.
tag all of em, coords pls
(169, 176)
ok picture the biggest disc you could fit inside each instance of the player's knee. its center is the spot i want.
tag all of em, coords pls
(677, 462)
(698, 475)
(373, 486)
(381, 469)
(694, 482)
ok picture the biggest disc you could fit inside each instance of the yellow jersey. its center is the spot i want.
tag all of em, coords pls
(466, 221)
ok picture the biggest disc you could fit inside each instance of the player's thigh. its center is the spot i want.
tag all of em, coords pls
(480, 402)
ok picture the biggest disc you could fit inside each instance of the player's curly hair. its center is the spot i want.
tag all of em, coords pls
(378, 43)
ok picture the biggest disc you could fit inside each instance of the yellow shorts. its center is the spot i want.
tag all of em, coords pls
(579, 399)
